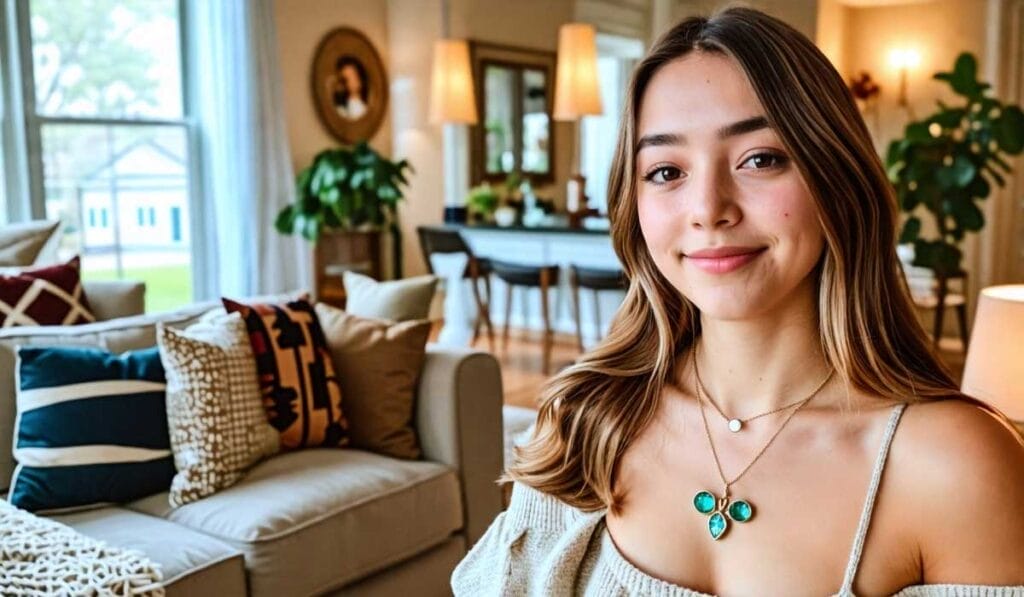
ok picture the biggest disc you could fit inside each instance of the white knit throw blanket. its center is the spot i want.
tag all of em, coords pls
(39, 556)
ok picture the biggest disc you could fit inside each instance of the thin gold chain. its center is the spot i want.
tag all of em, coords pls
(700, 385)
(707, 430)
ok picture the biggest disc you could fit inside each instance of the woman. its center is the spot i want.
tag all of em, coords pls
(348, 88)
(730, 434)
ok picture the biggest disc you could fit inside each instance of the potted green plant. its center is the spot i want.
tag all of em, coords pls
(351, 190)
(482, 201)
(947, 162)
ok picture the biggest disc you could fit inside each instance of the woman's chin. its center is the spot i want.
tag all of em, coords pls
(729, 306)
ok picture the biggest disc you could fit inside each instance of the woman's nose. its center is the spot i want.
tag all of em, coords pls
(710, 200)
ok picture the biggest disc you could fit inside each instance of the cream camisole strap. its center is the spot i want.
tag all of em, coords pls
(869, 502)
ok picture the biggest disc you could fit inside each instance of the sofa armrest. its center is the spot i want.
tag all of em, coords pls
(458, 419)
(111, 299)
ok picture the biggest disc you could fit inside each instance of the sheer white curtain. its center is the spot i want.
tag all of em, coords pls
(244, 167)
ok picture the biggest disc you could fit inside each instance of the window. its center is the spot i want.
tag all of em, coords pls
(107, 136)
(616, 57)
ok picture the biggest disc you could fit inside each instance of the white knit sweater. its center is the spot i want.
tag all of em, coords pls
(542, 547)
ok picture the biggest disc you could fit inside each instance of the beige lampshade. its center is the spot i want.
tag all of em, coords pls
(577, 92)
(451, 84)
(994, 371)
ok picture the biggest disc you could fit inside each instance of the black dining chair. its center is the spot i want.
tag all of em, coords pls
(596, 279)
(434, 239)
(531, 276)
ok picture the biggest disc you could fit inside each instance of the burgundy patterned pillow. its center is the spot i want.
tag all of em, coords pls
(45, 296)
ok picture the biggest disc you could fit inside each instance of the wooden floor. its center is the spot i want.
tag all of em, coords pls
(521, 365)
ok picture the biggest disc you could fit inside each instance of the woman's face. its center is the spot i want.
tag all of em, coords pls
(725, 214)
(350, 75)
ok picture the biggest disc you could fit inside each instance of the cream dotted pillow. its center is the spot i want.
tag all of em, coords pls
(218, 426)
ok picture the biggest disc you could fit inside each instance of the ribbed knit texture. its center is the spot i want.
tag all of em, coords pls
(542, 547)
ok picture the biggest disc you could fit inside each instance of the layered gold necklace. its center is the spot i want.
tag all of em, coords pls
(722, 509)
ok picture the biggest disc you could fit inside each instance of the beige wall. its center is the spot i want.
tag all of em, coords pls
(831, 32)
(938, 30)
(301, 24)
(801, 14)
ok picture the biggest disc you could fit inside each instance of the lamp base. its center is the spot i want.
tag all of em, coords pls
(575, 195)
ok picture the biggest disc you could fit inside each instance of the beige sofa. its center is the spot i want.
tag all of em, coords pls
(326, 521)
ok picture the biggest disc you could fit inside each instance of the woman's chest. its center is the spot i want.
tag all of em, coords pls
(806, 499)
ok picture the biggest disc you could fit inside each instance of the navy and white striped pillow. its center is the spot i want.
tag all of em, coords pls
(91, 428)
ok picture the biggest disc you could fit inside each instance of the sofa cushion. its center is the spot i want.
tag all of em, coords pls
(312, 520)
(121, 335)
(301, 391)
(192, 563)
(51, 295)
(407, 299)
(91, 428)
(215, 414)
(378, 363)
(22, 243)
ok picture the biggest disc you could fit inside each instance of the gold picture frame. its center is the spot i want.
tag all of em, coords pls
(349, 85)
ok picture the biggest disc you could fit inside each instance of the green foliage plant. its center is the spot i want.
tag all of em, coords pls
(482, 201)
(946, 163)
(348, 188)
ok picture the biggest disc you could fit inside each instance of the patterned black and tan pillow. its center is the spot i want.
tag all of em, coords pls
(300, 389)
(218, 427)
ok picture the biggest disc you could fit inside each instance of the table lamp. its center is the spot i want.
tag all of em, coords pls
(577, 94)
(994, 371)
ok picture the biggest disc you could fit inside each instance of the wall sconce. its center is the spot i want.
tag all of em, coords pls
(904, 59)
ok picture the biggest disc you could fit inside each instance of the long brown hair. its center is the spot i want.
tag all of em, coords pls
(593, 410)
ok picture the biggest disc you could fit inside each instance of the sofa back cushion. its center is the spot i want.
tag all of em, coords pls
(407, 299)
(29, 243)
(91, 428)
(119, 335)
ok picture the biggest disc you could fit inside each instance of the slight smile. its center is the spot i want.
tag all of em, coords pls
(722, 260)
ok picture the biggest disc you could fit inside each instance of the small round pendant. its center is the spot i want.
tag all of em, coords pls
(735, 425)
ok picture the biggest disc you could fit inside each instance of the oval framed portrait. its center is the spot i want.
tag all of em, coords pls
(350, 87)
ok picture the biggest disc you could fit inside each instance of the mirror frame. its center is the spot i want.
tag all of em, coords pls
(482, 54)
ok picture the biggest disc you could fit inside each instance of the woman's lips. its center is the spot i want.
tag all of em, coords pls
(725, 261)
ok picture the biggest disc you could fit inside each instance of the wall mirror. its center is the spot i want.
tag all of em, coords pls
(514, 92)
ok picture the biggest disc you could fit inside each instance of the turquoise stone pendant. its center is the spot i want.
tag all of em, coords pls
(718, 523)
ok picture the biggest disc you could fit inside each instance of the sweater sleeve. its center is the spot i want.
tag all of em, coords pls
(538, 541)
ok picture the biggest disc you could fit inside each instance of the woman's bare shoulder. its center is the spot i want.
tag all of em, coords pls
(960, 473)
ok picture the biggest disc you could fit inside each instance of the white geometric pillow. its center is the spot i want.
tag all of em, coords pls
(215, 416)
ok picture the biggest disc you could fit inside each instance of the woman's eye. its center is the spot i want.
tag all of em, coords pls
(766, 161)
(662, 174)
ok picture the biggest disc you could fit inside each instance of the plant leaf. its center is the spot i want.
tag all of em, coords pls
(968, 215)
(1009, 130)
(285, 221)
(911, 229)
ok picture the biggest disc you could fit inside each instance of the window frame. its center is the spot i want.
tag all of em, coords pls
(22, 126)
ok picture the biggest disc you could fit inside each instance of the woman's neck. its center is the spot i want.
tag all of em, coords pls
(756, 365)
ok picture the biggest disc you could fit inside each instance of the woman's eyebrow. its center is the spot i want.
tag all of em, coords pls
(741, 127)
